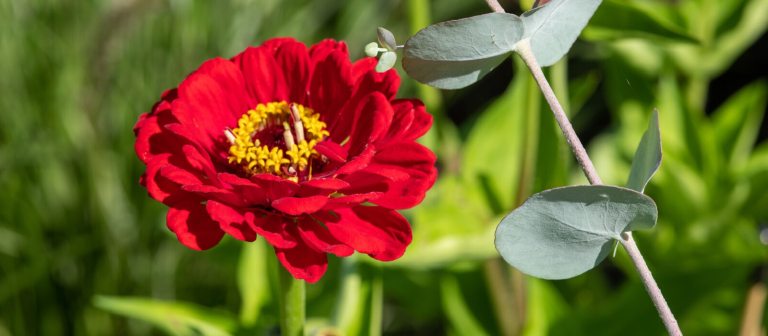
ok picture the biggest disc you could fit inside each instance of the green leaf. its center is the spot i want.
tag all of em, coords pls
(386, 61)
(563, 232)
(454, 54)
(457, 311)
(621, 19)
(737, 122)
(386, 38)
(647, 157)
(554, 27)
(499, 136)
(174, 318)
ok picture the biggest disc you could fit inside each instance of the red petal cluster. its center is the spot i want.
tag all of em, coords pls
(377, 167)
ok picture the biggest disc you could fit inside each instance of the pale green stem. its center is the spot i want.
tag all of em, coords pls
(292, 298)
(524, 50)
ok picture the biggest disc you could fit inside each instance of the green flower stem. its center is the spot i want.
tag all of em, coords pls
(525, 52)
(292, 298)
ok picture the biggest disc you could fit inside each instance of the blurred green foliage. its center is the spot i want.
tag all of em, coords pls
(78, 234)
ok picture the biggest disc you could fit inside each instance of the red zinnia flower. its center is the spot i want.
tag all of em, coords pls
(297, 145)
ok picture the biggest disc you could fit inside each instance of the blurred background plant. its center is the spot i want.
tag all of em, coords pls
(84, 251)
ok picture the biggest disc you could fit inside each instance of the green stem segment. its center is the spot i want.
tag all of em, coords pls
(292, 296)
(524, 50)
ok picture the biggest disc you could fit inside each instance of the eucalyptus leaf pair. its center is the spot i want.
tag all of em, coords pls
(455, 54)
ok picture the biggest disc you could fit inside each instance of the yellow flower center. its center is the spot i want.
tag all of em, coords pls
(277, 138)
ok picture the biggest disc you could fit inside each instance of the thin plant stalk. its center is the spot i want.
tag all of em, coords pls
(525, 52)
(650, 284)
(495, 6)
(292, 298)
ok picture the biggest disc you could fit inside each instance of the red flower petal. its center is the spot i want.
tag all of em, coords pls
(413, 159)
(295, 206)
(368, 80)
(293, 58)
(321, 186)
(210, 100)
(275, 187)
(381, 233)
(210, 192)
(303, 262)
(318, 237)
(358, 162)
(321, 50)
(332, 151)
(273, 228)
(331, 84)
(252, 193)
(410, 121)
(365, 130)
(264, 78)
(231, 221)
(193, 227)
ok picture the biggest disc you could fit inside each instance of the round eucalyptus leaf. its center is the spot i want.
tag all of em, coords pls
(386, 38)
(563, 232)
(372, 49)
(454, 54)
(386, 61)
(553, 27)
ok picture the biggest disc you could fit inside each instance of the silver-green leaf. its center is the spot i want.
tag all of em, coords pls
(454, 54)
(386, 38)
(647, 157)
(554, 27)
(386, 61)
(563, 232)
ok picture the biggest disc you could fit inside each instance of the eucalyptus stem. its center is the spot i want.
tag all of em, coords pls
(650, 284)
(292, 298)
(495, 6)
(525, 52)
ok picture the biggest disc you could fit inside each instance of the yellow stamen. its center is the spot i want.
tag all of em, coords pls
(300, 140)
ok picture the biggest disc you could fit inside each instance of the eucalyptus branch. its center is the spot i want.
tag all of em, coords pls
(650, 284)
(525, 52)
(495, 6)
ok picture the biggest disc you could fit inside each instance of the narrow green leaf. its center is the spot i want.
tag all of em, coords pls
(454, 54)
(554, 27)
(622, 19)
(386, 38)
(647, 157)
(457, 311)
(386, 61)
(175, 318)
(563, 232)
(737, 122)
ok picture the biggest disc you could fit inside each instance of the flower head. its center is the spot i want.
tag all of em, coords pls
(296, 145)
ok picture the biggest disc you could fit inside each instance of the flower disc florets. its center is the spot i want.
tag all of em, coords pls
(296, 145)
(277, 138)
